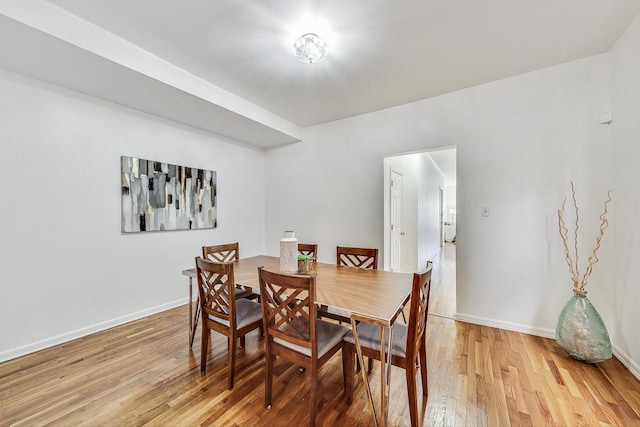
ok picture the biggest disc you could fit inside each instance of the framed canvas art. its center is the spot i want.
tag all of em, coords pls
(159, 196)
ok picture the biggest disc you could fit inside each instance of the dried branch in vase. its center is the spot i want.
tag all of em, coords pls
(579, 284)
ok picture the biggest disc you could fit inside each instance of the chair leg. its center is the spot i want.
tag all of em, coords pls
(410, 371)
(314, 393)
(268, 380)
(423, 369)
(344, 367)
(348, 365)
(204, 346)
(232, 361)
(242, 342)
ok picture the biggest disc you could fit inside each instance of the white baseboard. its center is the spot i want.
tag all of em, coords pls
(624, 358)
(516, 327)
(82, 332)
(630, 364)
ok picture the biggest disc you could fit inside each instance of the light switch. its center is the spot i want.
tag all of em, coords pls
(485, 211)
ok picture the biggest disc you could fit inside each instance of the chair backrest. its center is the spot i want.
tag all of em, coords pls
(308, 249)
(288, 310)
(418, 308)
(221, 253)
(217, 291)
(357, 257)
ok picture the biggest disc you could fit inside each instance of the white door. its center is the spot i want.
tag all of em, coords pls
(396, 221)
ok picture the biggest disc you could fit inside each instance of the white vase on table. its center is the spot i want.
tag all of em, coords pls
(289, 252)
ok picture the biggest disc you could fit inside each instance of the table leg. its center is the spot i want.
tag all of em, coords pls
(193, 318)
(385, 373)
(363, 369)
(385, 368)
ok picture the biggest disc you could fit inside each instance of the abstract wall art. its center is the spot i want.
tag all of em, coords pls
(160, 196)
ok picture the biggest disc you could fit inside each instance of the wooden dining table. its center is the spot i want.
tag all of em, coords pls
(374, 296)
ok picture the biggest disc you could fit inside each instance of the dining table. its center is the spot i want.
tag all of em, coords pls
(362, 295)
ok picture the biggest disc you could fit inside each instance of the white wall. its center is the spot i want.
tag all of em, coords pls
(67, 270)
(625, 145)
(520, 141)
(523, 140)
(450, 192)
(328, 189)
(430, 182)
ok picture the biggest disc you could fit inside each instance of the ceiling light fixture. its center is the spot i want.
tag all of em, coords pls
(310, 48)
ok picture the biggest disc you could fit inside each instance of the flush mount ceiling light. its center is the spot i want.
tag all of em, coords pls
(310, 48)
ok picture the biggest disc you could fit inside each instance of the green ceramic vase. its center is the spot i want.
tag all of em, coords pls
(581, 331)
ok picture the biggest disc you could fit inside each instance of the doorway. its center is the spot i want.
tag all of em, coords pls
(428, 178)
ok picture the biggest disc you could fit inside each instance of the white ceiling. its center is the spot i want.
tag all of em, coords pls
(386, 53)
(226, 66)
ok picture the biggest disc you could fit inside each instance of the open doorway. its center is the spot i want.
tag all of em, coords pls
(415, 230)
(423, 226)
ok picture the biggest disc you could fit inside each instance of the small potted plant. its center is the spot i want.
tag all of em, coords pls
(306, 264)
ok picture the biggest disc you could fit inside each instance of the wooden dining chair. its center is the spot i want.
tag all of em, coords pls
(357, 257)
(361, 258)
(308, 249)
(222, 253)
(228, 252)
(293, 330)
(221, 312)
(351, 257)
(409, 342)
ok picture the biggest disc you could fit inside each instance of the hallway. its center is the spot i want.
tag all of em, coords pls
(443, 292)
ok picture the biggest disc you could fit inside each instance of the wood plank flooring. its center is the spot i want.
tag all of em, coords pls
(143, 373)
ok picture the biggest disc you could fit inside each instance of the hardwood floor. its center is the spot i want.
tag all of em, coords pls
(143, 373)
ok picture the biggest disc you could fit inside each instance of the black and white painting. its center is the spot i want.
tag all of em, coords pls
(160, 196)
